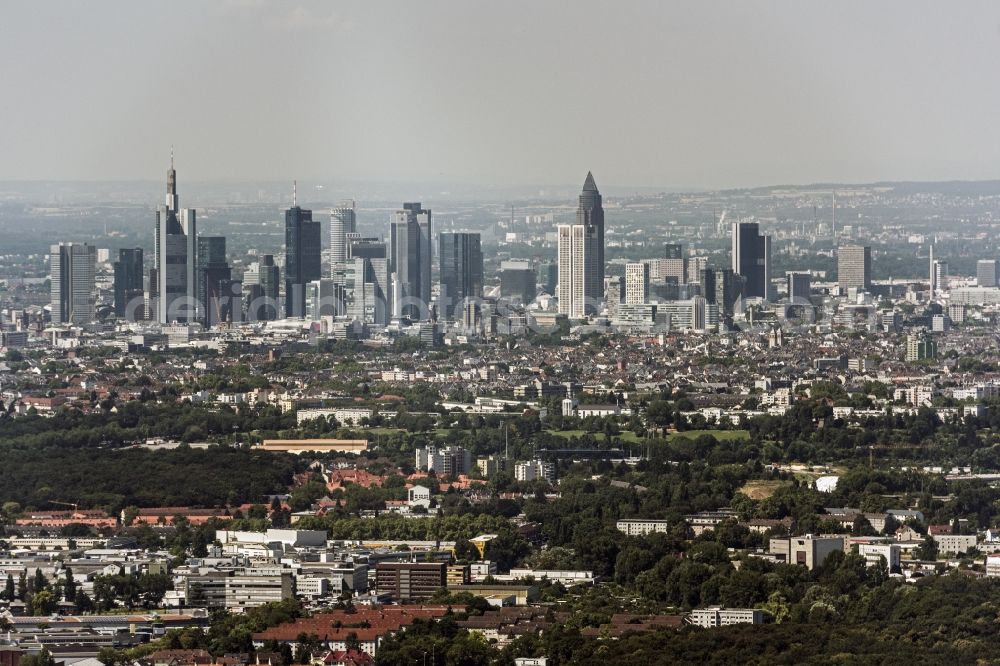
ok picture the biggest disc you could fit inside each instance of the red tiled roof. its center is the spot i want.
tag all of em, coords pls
(368, 623)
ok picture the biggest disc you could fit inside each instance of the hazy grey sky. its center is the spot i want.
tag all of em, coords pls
(660, 93)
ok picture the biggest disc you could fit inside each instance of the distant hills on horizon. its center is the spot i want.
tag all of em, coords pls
(271, 192)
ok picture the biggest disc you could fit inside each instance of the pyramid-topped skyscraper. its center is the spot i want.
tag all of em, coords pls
(581, 256)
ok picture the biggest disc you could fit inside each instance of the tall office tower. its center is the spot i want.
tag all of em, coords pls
(461, 274)
(548, 277)
(175, 258)
(798, 286)
(673, 251)
(73, 283)
(636, 283)
(262, 293)
(404, 264)
(933, 287)
(321, 299)
(410, 257)
(613, 295)
(270, 282)
(695, 266)
(128, 284)
(342, 223)
(590, 215)
(988, 272)
(517, 281)
(700, 314)
(854, 267)
(577, 252)
(939, 276)
(722, 287)
(378, 298)
(303, 257)
(752, 259)
(363, 284)
(706, 277)
(471, 316)
(581, 256)
(214, 277)
(253, 300)
(426, 249)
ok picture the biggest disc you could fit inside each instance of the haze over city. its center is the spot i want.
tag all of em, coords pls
(665, 94)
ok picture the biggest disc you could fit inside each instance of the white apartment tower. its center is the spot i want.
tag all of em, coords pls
(636, 283)
(576, 249)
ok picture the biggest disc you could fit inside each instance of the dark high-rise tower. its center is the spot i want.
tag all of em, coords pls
(798, 286)
(262, 297)
(461, 271)
(706, 277)
(175, 265)
(303, 257)
(214, 277)
(410, 258)
(128, 284)
(73, 289)
(720, 287)
(590, 213)
(752, 259)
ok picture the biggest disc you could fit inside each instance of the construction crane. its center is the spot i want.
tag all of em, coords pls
(76, 506)
(720, 226)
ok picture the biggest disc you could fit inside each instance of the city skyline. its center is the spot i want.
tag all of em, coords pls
(367, 386)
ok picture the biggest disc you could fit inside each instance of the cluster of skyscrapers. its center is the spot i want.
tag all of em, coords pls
(582, 289)
(377, 280)
(369, 280)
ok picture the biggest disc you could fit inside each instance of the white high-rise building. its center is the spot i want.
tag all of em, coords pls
(342, 223)
(577, 249)
(73, 290)
(933, 287)
(636, 283)
(939, 277)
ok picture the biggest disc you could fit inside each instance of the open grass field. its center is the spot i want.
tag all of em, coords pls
(758, 490)
(626, 436)
(721, 435)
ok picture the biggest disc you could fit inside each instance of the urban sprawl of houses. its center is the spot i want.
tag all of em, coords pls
(403, 390)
